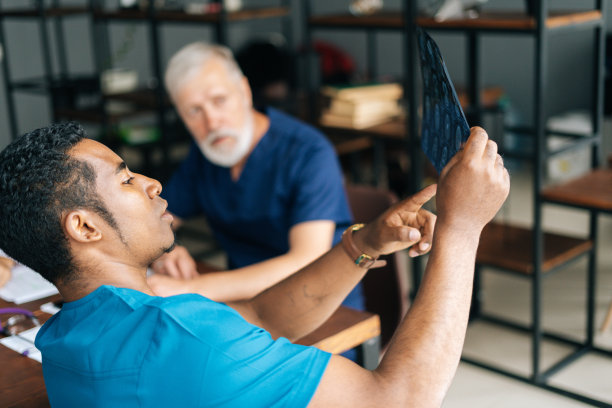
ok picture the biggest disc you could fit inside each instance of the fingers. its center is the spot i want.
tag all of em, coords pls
(477, 142)
(416, 201)
(178, 264)
(499, 161)
(424, 195)
(187, 268)
(490, 151)
(170, 268)
(427, 221)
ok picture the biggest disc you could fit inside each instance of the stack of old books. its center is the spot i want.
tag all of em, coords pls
(361, 106)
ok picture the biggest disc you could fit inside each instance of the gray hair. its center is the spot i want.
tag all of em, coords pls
(190, 59)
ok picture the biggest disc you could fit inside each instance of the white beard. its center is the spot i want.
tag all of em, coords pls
(225, 156)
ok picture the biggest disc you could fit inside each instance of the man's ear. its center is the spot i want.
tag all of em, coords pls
(81, 226)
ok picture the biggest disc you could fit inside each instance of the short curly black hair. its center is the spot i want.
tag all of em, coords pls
(40, 183)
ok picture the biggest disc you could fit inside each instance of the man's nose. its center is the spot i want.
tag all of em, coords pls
(214, 120)
(152, 186)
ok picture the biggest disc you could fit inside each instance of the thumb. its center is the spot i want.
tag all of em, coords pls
(401, 236)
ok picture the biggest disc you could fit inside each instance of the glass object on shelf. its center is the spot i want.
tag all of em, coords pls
(118, 80)
(365, 7)
(232, 5)
(441, 10)
(128, 4)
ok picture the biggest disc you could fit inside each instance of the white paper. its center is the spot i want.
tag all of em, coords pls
(23, 343)
(50, 308)
(26, 285)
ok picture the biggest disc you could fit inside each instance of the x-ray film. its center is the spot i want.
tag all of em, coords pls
(444, 127)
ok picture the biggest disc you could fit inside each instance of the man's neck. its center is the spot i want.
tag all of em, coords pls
(261, 123)
(89, 281)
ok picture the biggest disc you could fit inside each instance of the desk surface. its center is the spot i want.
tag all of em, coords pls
(21, 380)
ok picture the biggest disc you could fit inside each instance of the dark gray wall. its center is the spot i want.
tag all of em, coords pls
(506, 60)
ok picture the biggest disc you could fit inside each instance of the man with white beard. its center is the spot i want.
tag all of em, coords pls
(269, 185)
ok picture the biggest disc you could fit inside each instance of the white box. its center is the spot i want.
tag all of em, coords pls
(572, 163)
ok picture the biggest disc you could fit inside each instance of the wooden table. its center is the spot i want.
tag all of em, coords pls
(21, 379)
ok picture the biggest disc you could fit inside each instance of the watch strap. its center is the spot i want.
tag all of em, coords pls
(359, 257)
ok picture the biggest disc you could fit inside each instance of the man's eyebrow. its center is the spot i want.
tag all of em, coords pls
(122, 166)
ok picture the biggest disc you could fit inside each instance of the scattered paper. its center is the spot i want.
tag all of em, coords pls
(23, 343)
(50, 308)
(25, 286)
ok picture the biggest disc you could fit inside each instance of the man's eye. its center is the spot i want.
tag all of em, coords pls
(128, 181)
(194, 111)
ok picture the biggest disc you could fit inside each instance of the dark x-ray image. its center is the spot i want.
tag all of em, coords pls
(444, 127)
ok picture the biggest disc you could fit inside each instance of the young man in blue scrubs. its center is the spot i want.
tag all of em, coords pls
(71, 210)
(269, 185)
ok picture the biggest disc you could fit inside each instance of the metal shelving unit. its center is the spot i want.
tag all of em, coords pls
(51, 80)
(154, 18)
(528, 252)
(56, 83)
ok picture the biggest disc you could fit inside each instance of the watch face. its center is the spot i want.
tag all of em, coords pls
(364, 261)
(444, 127)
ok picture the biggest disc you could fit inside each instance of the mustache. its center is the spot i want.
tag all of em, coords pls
(216, 134)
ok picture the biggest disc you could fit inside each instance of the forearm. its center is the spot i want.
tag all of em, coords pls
(299, 304)
(245, 283)
(424, 353)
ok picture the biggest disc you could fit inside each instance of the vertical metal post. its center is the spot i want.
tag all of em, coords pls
(598, 85)
(412, 121)
(221, 27)
(287, 26)
(370, 353)
(100, 36)
(309, 77)
(591, 280)
(474, 77)
(159, 91)
(372, 51)
(540, 147)
(596, 121)
(102, 60)
(8, 83)
(60, 40)
(46, 55)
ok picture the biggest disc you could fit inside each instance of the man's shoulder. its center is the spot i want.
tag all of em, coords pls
(186, 304)
(292, 132)
(292, 126)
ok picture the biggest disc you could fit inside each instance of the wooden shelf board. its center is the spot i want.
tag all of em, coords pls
(394, 129)
(386, 19)
(259, 13)
(514, 20)
(178, 15)
(94, 115)
(499, 20)
(593, 190)
(49, 12)
(511, 248)
(141, 97)
(352, 145)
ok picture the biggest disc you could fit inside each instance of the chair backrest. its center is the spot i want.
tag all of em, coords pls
(386, 288)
